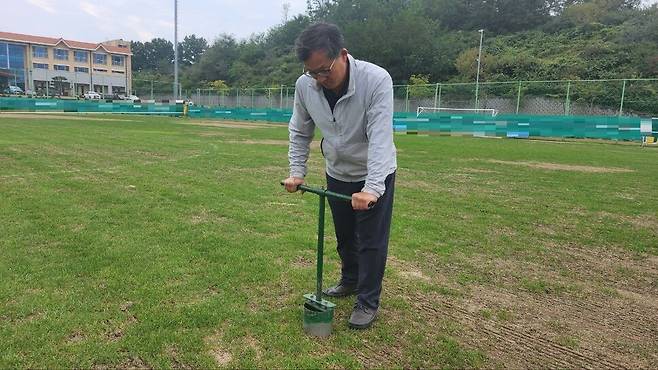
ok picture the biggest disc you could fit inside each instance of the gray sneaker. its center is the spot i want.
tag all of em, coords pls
(362, 317)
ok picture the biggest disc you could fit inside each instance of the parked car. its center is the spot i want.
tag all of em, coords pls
(132, 98)
(29, 92)
(91, 95)
(14, 90)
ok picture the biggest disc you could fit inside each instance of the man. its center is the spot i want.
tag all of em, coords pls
(351, 102)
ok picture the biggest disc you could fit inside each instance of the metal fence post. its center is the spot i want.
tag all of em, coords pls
(151, 89)
(237, 97)
(406, 101)
(623, 93)
(436, 94)
(518, 98)
(281, 97)
(567, 103)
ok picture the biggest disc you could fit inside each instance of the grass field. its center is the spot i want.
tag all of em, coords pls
(160, 242)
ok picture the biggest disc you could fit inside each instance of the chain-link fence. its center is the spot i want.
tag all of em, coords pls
(568, 97)
(270, 97)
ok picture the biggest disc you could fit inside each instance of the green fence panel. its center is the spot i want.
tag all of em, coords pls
(443, 123)
(87, 106)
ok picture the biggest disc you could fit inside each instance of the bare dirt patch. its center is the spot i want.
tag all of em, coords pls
(75, 337)
(259, 142)
(607, 321)
(407, 270)
(131, 363)
(222, 357)
(302, 262)
(172, 353)
(253, 343)
(468, 170)
(213, 133)
(314, 144)
(68, 117)
(562, 167)
(205, 216)
(646, 221)
(231, 124)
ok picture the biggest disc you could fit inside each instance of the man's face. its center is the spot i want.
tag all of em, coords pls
(330, 73)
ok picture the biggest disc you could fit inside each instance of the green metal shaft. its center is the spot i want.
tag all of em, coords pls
(320, 258)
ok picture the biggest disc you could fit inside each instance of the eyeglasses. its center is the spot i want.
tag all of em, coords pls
(323, 73)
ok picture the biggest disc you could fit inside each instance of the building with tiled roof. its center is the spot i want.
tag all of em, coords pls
(55, 66)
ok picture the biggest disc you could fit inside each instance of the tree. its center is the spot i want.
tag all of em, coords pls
(217, 85)
(154, 55)
(215, 62)
(419, 86)
(139, 55)
(160, 54)
(191, 49)
(497, 16)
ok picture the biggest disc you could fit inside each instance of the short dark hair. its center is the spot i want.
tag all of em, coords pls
(319, 36)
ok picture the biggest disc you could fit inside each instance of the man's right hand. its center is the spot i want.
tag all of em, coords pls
(291, 183)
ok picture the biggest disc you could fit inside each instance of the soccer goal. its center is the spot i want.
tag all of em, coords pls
(481, 111)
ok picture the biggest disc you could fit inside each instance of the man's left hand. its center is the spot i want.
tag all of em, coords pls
(363, 201)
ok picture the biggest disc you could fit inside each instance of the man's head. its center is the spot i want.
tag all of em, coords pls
(321, 48)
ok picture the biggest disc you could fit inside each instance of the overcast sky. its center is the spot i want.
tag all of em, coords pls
(100, 20)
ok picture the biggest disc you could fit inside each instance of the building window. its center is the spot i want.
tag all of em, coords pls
(82, 69)
(80, 56)
(4, 56)
(100, 58)
(39, 65)
(100, 70)
(12, 57)
(61, 54)
(117, 60)
(59, 67)
(119, 72)
(39, 51)
(16, 56)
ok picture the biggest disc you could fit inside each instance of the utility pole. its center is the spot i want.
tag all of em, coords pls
(175, 50)
(477, 76)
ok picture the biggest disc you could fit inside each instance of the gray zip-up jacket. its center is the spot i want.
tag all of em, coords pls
(357, 137)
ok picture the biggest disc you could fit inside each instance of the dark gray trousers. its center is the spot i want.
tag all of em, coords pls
(362, 238)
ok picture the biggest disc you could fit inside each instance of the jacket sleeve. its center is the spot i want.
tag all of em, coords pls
(379, 128)
(301, 129)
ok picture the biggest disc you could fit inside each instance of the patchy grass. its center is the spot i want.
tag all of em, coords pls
(154, 242)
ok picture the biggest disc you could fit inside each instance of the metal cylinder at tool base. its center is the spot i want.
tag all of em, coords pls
(318, 321)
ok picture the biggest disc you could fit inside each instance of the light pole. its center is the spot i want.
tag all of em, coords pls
(175, 51)
(477, 76)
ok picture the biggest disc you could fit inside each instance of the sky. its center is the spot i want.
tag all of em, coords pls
(142, 20)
